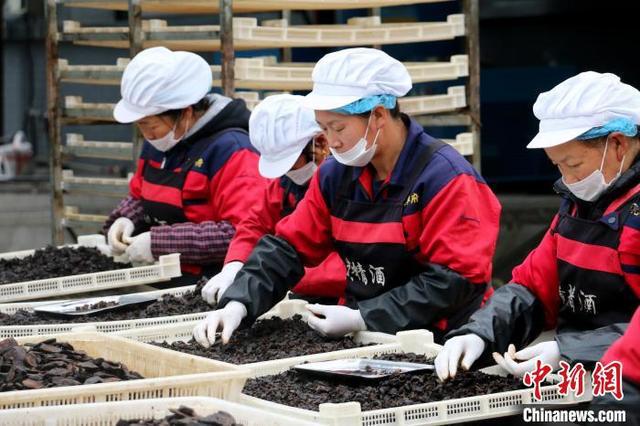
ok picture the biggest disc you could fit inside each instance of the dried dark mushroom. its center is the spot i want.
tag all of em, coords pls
(53, 262)
(269, 339)
(300, 390)
(52, 364)
(185, 416)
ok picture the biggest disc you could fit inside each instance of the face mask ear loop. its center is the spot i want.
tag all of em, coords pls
(606, 144)
(366, 132)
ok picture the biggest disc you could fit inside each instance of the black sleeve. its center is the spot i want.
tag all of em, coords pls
(512, 315)
(271, 270)
(433, 294)
(588, 346)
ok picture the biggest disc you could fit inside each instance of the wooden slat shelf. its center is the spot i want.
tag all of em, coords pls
(264, 73)
(239, 6)
(271, 34)
(78, 147)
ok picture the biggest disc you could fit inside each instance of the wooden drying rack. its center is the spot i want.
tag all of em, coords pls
(459, 106)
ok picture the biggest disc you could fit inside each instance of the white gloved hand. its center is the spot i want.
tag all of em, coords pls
(338, 320)
(467, 347)
(216, 286)
(229, 318)
(547, 352)
(139, 249)
(120, 230)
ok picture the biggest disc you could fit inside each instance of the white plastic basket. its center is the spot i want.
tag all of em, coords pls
(254, 73)
(100, 326)
(440, 412)
(284, 309)
(167, 267)
(167, 374)
(12, 308)
(108, 413)
(432, 104)
(273, 33)
(463, 143)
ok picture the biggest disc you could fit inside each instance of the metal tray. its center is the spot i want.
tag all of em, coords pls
(69, 308)
(361, 368)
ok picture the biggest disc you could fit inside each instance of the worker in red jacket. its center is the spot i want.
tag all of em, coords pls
(625, 350)
(584, 277)
(197, 174)
(414, 223)
(291, 147)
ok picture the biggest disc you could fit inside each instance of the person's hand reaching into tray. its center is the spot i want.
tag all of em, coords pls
(227, 320)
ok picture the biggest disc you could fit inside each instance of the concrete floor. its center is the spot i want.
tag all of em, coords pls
(25, 219)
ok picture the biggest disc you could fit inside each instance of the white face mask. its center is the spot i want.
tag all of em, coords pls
(359, 155)
(591, 187)
(302, 175)
(169, 140)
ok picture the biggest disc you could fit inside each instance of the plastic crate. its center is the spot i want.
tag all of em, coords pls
(463, 143)
(12, 308)
(441, 412)
(108, 413)
(167, 267)
(100, 326)
(167, 374)
(254, 73)
(284, 309)
(249, 35)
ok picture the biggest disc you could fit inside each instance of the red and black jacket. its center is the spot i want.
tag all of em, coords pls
(218, 169)
(583, 278)
(447, 226)
(327, 280)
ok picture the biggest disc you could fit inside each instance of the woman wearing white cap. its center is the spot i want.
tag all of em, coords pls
(291, 147)
(414, 223)
(197, 174)
(584, 277)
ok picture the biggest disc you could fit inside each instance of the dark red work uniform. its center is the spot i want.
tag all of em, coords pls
(417, 247)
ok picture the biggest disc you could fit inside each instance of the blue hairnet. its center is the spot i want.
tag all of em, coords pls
(367, 104)
(623, 125)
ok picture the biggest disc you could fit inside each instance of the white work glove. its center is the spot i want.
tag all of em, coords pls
(338, 320)
(119, 230)
(547, 352)
(139, 250)
(227, 318)
(216, 286)
(467, 347)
